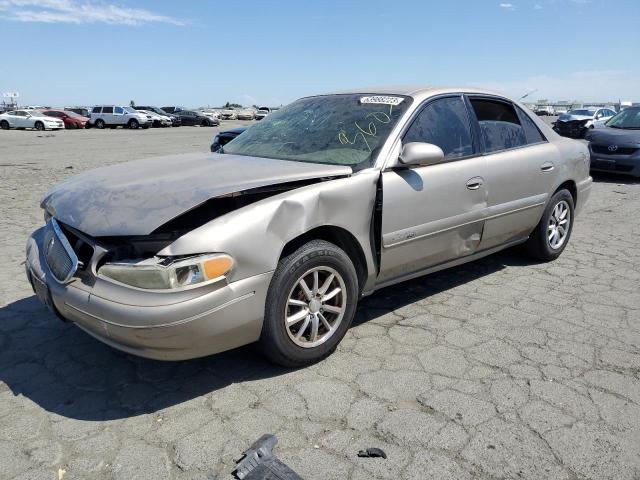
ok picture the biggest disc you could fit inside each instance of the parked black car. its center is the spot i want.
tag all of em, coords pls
(174, 109)
(616, 147)
(176, 121)
(189, 117)
(222, 138)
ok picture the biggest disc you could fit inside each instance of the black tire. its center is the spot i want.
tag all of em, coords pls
(539, 244)
(39, 126)
(275, 340)
(100, 124)
(5, 125)
(205, 123)
(133, 124)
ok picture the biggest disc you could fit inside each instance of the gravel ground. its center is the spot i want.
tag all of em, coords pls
(502, 368)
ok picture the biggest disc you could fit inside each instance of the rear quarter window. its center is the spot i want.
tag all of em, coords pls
(531, 130)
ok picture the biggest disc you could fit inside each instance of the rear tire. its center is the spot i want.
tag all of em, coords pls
(5, 125)
(551, 235)
(100, 124)
(322, 313)
(39, 126)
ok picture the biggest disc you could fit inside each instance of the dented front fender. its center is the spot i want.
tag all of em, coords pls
(256, 234)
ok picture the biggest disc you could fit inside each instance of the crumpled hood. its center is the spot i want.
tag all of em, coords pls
(608, 135)
(570, 118)
(137, 197)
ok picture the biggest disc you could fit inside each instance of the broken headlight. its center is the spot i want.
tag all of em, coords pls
(168, 273)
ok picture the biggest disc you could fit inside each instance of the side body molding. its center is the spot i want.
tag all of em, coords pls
(255, 235)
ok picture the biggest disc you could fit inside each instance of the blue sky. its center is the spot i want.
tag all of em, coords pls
(199, 52)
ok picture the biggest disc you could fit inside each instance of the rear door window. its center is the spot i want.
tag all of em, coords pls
(445, 123)
(107, 109)
(531, 131)
(500, 126)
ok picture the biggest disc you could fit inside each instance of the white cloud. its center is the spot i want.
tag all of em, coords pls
(508, 6)
(77, 12)
(596, 85)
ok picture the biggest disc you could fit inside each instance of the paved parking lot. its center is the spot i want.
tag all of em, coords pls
(502, 368)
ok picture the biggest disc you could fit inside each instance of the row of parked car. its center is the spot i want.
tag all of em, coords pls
(114, 116)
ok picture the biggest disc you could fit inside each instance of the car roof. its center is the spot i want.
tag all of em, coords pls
(234, 130)
(418, 92)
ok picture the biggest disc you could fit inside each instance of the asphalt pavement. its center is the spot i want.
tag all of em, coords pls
(502, 368)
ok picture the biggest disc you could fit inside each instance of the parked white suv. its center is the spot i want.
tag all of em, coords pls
(115, 116)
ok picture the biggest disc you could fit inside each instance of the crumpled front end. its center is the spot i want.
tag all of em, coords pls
(572, 128)
(164, 325)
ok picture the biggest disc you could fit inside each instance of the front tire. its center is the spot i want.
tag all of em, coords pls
(551, 235)
(39, 126)
(310, 304)
(133, 124)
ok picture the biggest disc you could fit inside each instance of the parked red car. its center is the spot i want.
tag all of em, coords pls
(71, 120)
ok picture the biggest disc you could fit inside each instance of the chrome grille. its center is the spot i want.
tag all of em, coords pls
(58, 254)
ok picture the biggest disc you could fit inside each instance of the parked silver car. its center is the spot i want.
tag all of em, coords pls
(325, 201)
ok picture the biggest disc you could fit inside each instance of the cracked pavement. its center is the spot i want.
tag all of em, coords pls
(502, 368)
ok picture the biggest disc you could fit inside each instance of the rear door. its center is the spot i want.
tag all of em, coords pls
(12, 118)
(432, 214)
(107, 115)
(520, 169)
(188, 118)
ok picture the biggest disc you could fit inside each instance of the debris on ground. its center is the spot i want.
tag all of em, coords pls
(259, 463)
(372, 453)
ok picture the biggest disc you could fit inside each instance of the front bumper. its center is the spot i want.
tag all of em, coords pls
(162, 326)
(624, 164)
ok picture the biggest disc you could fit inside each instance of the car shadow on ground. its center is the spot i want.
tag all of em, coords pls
(602, 177)
(65, 371)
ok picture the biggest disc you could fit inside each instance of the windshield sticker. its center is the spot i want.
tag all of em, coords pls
(381, 100)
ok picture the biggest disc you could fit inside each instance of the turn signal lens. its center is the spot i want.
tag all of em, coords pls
(217, 267)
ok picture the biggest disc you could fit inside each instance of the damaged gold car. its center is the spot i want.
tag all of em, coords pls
(275, 238)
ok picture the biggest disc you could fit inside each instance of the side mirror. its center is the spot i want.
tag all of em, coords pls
(419, 153)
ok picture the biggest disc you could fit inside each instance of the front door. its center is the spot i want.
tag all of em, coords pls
(433, 214)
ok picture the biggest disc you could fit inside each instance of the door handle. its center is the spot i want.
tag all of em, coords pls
(547, 167)
(474, 183)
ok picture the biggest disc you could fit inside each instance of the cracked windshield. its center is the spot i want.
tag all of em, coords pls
(337, 129)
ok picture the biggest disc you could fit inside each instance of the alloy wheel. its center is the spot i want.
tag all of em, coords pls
(315, 307)
(559, 224)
